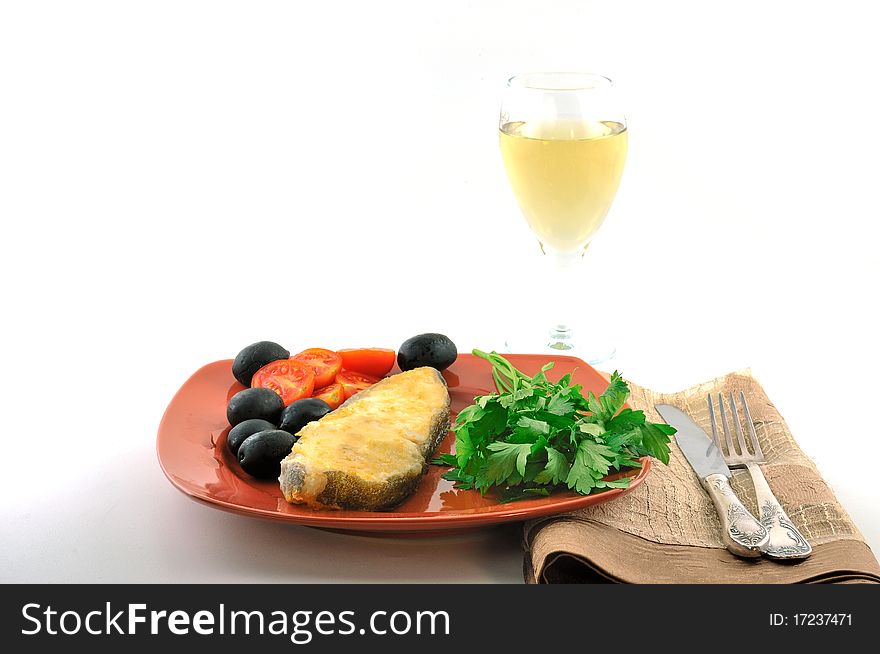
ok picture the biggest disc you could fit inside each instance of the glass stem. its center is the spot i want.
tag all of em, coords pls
(562, 296)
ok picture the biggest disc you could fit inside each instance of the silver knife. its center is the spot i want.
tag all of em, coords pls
(743, 535)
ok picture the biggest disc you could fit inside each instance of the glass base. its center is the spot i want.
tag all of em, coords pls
(592, 350)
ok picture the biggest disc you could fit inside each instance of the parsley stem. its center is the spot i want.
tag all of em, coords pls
(502, 367)
(499, 383)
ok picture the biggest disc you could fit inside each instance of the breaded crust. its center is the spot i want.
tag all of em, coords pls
(372, 451)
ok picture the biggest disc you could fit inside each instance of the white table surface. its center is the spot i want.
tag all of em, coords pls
(178, 180)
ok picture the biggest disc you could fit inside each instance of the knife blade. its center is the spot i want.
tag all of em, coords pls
(742, 534)
(695, 444)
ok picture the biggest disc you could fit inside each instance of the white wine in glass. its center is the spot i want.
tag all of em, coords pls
(564, 142)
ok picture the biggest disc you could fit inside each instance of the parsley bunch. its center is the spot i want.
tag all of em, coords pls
(534, 436)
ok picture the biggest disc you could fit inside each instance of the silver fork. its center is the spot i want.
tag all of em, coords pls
(785, 541)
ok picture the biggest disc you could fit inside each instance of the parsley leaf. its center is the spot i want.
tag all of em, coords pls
(445, 460)
(504, 459)
(560, 404)
(591, 428)
(625, 420)
(613, 398)
(535, 436)
(556, 469)
(655, 440)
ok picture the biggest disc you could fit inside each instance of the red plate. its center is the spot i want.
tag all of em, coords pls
(192, 452)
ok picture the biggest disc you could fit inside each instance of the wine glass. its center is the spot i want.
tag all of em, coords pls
(563, 141)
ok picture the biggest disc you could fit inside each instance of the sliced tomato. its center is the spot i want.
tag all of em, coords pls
(326, 363)
(292, 380)
(373, 361)
(354, 382)
(334, 395)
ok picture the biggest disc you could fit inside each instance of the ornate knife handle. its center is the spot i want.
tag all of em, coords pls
(785, 541)
(743, 535)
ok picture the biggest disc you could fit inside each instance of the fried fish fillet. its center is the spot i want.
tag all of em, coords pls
(371, 452)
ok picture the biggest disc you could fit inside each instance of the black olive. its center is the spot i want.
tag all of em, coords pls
(297, 415)
(254, 357)
(260, 455)
(434, 350)
(263, 403)
(244, 429)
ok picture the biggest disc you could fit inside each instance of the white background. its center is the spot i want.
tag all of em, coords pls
(180, 179)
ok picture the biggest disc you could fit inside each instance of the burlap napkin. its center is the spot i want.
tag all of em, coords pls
(667, 531)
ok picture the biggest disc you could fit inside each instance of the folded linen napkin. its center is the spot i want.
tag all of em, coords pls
(667, 530)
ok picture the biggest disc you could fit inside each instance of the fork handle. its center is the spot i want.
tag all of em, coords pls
(785, 542)
(742, 534)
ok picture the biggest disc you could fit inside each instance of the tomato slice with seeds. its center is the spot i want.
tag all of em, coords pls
(334, 395)
(292, 380)
(326, 363)
(373, 361)
(354, 382)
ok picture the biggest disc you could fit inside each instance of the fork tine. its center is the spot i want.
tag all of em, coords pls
(730, 449)
(752, 434)
(739, 431)
(714, 424)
